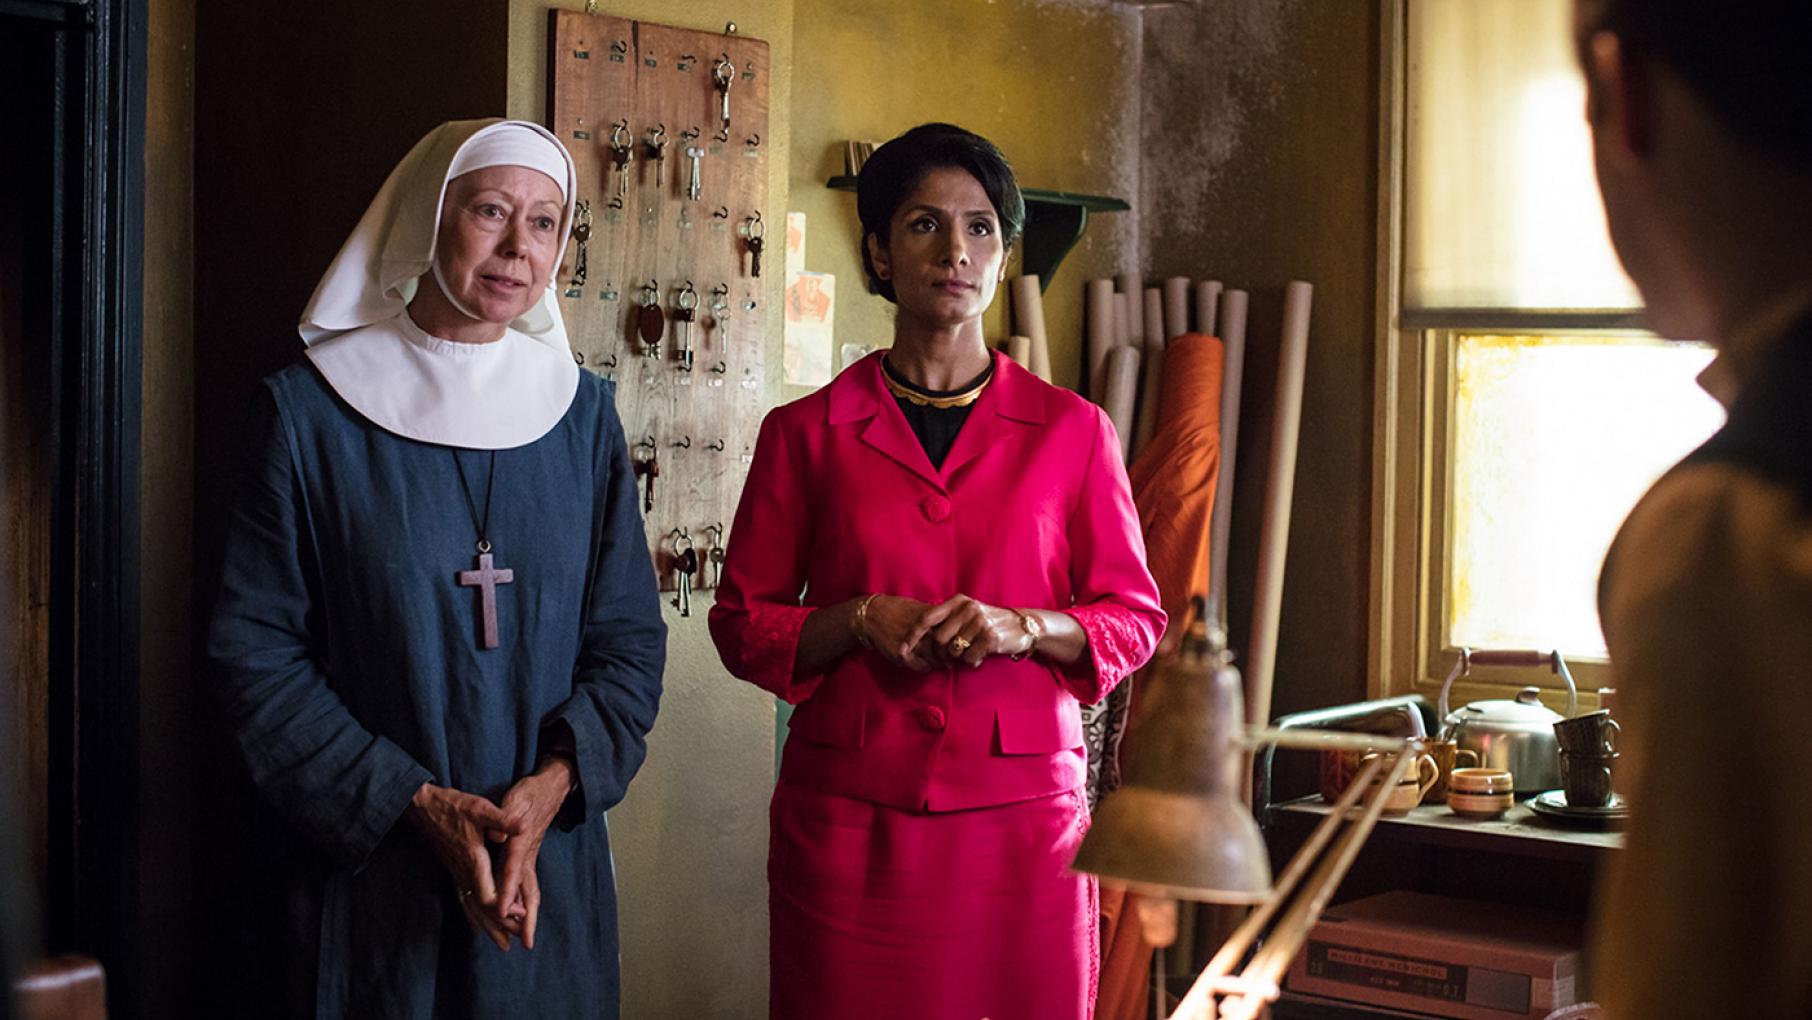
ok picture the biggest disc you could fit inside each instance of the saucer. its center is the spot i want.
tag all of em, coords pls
(1554, 804)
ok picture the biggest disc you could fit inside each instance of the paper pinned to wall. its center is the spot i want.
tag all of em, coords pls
(795, 244)
(810, 313)
(811, 302)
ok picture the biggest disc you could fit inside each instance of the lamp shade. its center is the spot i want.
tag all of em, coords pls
(1175, 828)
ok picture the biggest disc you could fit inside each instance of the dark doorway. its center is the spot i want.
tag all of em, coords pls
(71, 180)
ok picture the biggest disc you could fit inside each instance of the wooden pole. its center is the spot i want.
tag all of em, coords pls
(1028, 317)
(1233, 363)
(1280, 481)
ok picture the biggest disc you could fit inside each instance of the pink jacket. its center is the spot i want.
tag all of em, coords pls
(1031, 510)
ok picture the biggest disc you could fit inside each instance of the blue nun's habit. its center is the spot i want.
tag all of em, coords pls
(351, 665)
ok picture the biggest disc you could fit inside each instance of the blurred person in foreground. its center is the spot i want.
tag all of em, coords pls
(1702, 136)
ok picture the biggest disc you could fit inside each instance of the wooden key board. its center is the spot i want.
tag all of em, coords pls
(613, 82)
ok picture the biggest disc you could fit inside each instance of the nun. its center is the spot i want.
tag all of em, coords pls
(437, 638)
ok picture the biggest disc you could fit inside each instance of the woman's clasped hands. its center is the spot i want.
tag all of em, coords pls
(490, 850)
(922, 636)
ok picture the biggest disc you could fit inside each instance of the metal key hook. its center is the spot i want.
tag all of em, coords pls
(723, 71)
(687, 298)
(619, 134)
(717, 446)
(657, 136)
(683, 443)
(716, 530)
(651, 292)
(756, 228)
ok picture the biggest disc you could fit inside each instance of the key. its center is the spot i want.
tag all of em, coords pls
(719, 306)
(657, 150)
(683, 308)
(755, 229)
(723, 73)
(694, 153)
(622, 154)
(650, 321)
(717, 565)
(685, 565)
(581, 234)
(649, 470)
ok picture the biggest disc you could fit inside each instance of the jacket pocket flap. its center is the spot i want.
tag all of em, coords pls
(1039, 730)
(834, 725)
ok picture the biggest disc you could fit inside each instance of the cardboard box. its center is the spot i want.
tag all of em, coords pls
(1443, 957)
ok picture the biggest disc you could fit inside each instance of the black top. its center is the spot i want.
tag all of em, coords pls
(936, 427)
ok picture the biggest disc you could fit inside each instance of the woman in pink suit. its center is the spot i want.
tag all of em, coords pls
(936, 559)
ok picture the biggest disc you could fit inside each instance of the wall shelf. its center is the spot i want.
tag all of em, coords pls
(1055, 221)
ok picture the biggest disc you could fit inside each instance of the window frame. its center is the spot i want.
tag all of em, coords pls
(1413, 391)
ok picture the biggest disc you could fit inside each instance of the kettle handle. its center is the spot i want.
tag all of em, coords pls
(1552, 659)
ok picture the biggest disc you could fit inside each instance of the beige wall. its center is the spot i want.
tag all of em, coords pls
(1055, 85)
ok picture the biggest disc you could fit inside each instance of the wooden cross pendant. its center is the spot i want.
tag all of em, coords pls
(486, 579)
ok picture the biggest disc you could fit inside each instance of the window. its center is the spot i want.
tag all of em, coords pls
(1521, 412)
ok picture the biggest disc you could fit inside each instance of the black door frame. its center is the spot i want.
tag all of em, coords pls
(95, 319)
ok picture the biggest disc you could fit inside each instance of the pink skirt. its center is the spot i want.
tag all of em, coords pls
(877, 913)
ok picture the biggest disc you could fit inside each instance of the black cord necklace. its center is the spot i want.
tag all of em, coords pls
(484, 577)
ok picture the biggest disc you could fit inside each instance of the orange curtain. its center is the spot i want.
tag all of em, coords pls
(1173, 483)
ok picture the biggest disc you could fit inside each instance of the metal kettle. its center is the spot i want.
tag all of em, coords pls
(1515, 734)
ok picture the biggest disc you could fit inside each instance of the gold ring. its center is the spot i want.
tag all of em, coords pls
(959, 645)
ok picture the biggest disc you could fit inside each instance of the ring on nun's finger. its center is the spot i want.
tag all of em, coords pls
(959, 645)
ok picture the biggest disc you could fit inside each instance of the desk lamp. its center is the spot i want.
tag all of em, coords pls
(1176, 829)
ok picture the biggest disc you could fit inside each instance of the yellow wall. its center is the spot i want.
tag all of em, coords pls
(1056, 86)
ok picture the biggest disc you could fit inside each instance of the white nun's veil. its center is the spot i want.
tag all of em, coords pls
(359, 334)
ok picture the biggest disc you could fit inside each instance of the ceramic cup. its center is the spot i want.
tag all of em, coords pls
(1337, 771)
(1448, 756)
(1591, 733)
(1480, 793)
(1414, 785)
(1586, 778)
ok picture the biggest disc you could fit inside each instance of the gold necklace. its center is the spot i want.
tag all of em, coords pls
(912, 396)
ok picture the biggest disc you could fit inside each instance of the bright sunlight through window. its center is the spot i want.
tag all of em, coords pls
(1553, 440)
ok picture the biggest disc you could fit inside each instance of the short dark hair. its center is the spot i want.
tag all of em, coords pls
(890, 175)
(1745, 60)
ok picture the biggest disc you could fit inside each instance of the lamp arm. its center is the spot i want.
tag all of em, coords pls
(1323, 740)
(1256, 985)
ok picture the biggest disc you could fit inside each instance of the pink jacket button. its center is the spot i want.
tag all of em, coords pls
(936, 509)
(932, 718)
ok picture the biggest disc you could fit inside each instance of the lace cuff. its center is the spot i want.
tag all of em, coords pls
(1118, 643)
(770, 645)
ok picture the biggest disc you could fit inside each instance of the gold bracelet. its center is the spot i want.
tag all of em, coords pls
(1034, 628)
(860, 624)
